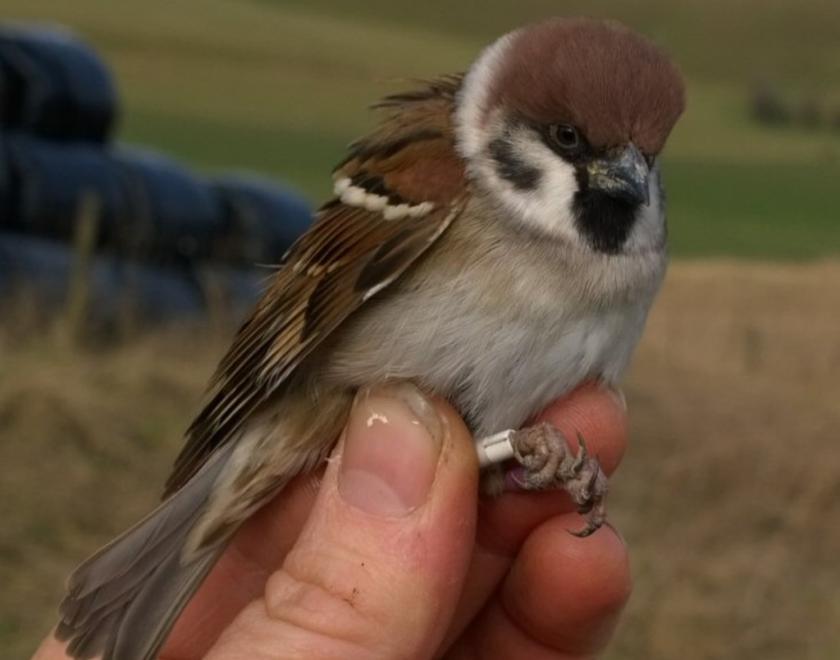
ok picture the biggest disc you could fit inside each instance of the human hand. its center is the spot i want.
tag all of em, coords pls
(344, 565)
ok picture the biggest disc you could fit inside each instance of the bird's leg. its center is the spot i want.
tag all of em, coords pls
(547, 461)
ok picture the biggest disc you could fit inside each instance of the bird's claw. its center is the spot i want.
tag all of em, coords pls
(549, 462)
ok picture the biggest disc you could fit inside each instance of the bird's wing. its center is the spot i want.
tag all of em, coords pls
(398, 190)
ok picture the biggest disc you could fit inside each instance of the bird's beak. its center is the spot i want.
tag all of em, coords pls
(624, 175)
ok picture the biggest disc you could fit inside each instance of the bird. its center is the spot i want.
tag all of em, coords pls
(497, 239)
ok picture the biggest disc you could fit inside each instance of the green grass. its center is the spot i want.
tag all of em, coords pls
(280, 86)
(303, 158)
(776, 210)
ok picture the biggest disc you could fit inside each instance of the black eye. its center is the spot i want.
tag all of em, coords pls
(564, 136)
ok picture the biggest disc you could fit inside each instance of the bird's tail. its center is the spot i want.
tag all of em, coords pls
(122, 602)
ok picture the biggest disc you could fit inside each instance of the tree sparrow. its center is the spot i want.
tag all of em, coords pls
(497, 239)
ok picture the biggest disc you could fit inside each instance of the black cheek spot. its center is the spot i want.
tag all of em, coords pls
(511, 168)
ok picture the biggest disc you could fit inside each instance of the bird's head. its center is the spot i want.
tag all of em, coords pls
(562, 123)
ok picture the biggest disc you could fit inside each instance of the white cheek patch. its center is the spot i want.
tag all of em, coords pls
(358, 197)
(548, 207)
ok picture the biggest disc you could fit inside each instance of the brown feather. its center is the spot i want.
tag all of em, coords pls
(610, 82)
(124, 600)
(348, 255)
(413, 149)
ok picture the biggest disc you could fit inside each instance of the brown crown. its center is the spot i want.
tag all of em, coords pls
(611, 83)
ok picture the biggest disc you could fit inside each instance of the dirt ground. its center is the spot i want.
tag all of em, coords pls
(729, 496)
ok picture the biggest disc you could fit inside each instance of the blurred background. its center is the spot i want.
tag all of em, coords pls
(730, 494)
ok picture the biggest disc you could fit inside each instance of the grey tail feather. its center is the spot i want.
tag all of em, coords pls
(123, 601)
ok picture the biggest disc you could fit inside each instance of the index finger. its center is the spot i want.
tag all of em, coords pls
(600, 416)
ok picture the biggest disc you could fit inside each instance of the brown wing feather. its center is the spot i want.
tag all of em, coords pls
(413, 149)
(347, 256)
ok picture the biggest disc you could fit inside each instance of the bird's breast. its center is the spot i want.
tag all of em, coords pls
(499, 343)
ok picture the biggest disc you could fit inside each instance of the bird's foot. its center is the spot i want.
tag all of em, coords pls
(547, 461)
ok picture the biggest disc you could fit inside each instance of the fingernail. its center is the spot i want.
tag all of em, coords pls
(391, 448)
(618, 396)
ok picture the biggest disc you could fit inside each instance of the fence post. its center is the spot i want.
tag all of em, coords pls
(79, 286)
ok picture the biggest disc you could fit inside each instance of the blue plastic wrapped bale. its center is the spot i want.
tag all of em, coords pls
(54, 85)
(183, 216)
(47, 182)
(231, 292)
(121, 288)
(8, 191)
(263, 219)
(33, 266)
(118, 288)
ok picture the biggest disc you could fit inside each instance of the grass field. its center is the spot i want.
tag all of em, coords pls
(281, 87)
(729, 496)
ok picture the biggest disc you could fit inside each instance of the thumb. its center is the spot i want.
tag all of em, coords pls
(379, 566)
